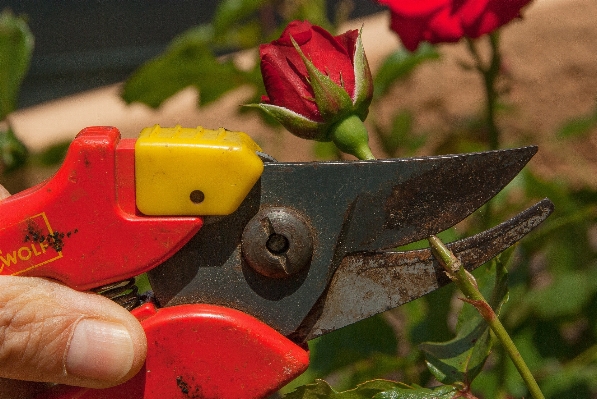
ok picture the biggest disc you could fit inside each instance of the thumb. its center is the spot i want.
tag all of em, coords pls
(51, 333)
(3, 193)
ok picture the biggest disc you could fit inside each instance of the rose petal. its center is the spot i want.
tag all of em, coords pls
(469, 11)
(300, 31)
(440, 21)
(410, 30)
(415, 8)
(444, 27)
(285, 86)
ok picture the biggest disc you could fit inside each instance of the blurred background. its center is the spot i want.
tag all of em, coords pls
(123, 63)
(81, 45)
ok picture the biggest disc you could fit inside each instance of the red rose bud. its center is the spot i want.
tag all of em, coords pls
(440, 21)
(315, 80)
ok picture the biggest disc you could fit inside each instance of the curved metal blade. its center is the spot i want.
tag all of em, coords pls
(369, 283)
(350, 206)
(436, 194)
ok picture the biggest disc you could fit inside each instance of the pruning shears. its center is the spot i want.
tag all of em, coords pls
(248, 258)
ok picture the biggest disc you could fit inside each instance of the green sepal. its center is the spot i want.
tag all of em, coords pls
(332, 100)
(350, 136)
(363, 80)
(294, 122)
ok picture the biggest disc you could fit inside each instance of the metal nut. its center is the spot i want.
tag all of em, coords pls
(277, 242)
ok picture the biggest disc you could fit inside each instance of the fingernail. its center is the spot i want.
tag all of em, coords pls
(100, 350)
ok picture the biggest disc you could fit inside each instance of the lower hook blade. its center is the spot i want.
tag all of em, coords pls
(369, 283)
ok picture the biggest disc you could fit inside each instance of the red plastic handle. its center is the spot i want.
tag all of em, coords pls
(82, 227)
(204, 351)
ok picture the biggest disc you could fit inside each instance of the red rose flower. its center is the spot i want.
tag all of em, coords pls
(314, 80)
(438, 21)
(285, 75)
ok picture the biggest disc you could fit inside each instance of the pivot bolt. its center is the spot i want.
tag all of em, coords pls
(277, 242)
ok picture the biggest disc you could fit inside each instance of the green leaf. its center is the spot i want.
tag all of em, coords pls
(432, 327)
(230, 12)
(401, 135)
(461, 359)
(236, 25)
(347, 345)
(189, 61)
(401, 129)
(368, 390)
(13, 153)
(417, 392)
(314, 11)
(400, 64)
(578, 127)
(576, 287)
(53, 155)
(338, 351)
(316, 390)
(16, 47)
(572, 382)
(243, 36)
(375, 366)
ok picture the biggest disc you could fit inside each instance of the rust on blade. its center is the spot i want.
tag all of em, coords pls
(427, 196)
(417, 200)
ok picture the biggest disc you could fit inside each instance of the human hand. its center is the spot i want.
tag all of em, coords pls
(50, 333)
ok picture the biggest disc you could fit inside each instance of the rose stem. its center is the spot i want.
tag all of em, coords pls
(468, 286)
(490, 74)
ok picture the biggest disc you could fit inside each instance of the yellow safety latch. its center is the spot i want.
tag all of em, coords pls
(194, 171)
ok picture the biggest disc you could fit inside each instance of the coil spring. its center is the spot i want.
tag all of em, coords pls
(125, 293)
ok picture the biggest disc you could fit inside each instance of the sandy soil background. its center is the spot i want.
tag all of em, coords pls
(550, 58)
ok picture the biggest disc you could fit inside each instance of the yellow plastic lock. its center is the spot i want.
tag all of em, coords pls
(188, 171)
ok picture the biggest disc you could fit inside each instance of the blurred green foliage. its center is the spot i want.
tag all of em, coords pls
(399, 65)
(196, 58)
(16, 47)
(579, 127)
(13, 154)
